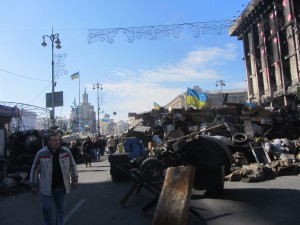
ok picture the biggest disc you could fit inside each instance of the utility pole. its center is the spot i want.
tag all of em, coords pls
(98, 86)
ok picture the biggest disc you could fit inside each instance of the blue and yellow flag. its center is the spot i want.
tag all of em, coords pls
(75, 75)
(195, 98)
(103, 120)
(249, 105)
(156, 106)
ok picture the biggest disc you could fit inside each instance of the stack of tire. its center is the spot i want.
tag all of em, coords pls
(119, 167)
(212, 159)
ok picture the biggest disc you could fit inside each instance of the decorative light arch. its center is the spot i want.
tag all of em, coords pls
(159, 31)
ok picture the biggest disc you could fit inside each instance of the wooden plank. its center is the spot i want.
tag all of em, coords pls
(174, 200)
(260, 153)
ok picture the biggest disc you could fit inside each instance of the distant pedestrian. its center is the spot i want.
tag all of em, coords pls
(87, 147)
(102, 145)
(117, 141)
(111, 144)
(96, 146)
(120, 145)
(53, 168)
(75, 151)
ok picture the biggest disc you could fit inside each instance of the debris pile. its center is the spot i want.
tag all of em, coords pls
(264, 142)
(14, 183)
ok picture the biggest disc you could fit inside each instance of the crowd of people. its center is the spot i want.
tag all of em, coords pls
(93, 147)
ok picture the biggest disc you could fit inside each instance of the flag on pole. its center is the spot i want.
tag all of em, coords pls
(156, 106)
(103, 120)
(195, 98)
(249, 105)
(75, 75)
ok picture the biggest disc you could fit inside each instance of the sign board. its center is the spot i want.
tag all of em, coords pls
(58, 99)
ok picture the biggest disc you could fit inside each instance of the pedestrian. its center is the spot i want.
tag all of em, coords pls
(120, 145)
(111, 144)
(75, 150)
(117, 141)
(96, 146)
(102, 145)
(87, 147)
(54, 167)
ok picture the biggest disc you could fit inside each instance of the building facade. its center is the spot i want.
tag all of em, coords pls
(270, 34)
(215, 98)
(87, 114)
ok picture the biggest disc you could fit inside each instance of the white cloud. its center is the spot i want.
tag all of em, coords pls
(137, 90)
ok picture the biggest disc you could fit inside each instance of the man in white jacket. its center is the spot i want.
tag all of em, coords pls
(53, 169)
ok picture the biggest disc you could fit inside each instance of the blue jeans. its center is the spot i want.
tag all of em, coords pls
(97, 153)
(58, 197)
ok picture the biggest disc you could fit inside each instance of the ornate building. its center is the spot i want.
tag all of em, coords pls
(270, 34)
(87, 114)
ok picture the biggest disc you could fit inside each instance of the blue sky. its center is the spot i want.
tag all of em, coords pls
(133, 75)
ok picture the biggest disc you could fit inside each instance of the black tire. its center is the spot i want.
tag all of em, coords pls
(216, 192)
(240, 138)
(152, 169)
(119, 172)
(118, 158)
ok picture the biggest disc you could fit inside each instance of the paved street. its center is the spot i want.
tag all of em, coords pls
(97, 199)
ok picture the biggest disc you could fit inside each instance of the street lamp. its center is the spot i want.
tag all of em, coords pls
(54, 38)
(222, 84)
(98, 86)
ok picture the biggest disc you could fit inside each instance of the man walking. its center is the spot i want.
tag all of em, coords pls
(54, 167)
(111, 144)
(96, 145)
(87, 147)
(102, 145)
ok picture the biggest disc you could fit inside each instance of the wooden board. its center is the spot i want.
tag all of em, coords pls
(174, 200)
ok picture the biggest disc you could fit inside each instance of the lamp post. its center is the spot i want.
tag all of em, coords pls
(222, 84)
(54, 38)
(98, 86)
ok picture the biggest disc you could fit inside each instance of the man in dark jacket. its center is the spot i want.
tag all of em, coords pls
(96, 145)
(102, 143)
(87, 147)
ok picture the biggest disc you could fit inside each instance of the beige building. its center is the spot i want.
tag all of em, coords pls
(87, 114)
(215, 98)
(270, 34)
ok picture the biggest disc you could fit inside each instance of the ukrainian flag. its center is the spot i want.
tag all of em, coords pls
(104, 120)
(249, 105)
(195, 98)
(156, 106)
(75, 75)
